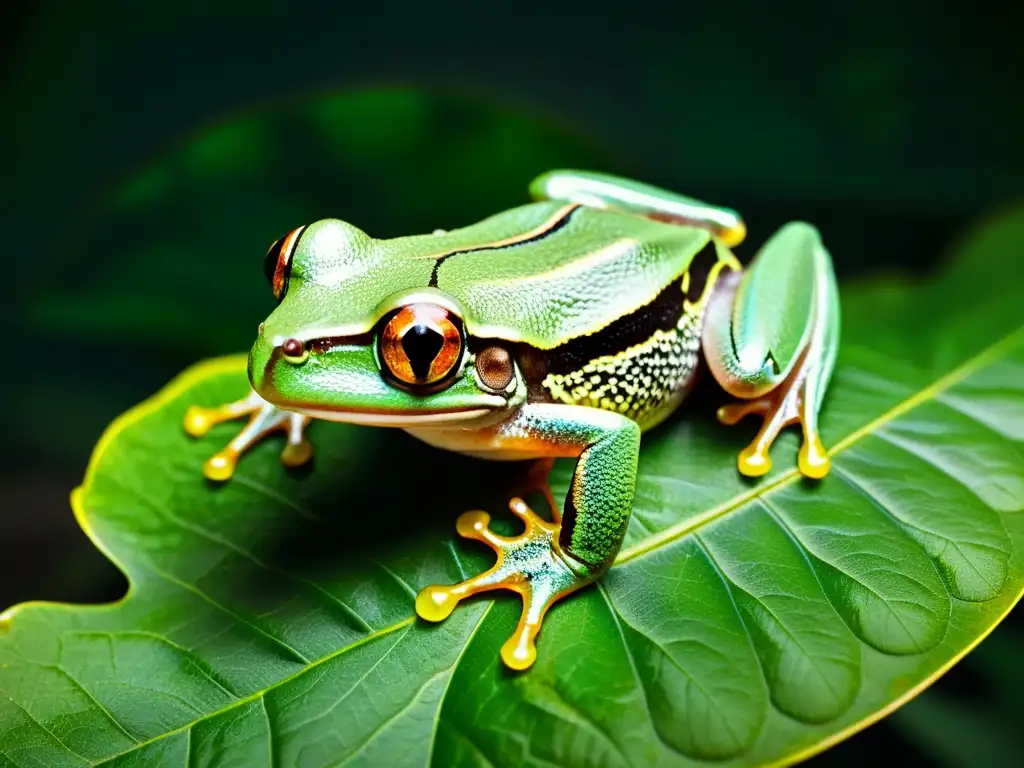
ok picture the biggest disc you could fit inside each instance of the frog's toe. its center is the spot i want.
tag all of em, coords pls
(297, 453)
(264, 419)
(199, 420)
(813, 460)
(778, 409)
(221, 466)
(531, 564)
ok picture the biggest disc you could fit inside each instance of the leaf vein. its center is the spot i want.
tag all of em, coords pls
(106, 712)
(603, 590)
(260, 694)
(949, 543)
(392, 718)
(361, 623)
(475, 749)
(813, 659)
(296, 656)
(194, 658)
(271, 751)
(696, 683)
(581, 719)
(46, 730)
(447, 686)
(406, 587)
(777, 514)
(353, 687)
(270, 493)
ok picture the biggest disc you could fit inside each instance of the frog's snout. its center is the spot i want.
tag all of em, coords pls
(264, 353)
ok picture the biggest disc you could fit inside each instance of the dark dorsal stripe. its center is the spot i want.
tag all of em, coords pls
(548, 228)
(663, 313)
(699, 270)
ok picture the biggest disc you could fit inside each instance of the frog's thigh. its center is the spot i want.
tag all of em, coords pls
(770, 336)
(600, 190)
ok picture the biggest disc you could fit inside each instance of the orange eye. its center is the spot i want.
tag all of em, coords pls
(421, 344)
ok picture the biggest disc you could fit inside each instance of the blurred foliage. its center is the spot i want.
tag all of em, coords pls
(889, 125)
(170, 270)
(183, 240)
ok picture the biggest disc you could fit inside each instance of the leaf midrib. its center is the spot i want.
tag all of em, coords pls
(975, 363)
(987, 356)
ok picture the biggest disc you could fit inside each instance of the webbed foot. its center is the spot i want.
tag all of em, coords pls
(531, 564)
(264, 420)
(784, 405)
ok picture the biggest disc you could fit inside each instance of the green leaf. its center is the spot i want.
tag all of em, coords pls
(270, 621)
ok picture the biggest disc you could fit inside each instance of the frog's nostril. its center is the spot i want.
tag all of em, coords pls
(294, 351)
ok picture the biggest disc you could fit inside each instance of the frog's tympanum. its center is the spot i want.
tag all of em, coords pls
(562, 328)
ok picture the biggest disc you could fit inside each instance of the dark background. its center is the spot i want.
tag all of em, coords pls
(137, 212)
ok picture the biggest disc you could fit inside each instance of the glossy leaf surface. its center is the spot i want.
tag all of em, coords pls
(270, 621)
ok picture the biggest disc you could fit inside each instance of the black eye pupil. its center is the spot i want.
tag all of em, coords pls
(421, 345)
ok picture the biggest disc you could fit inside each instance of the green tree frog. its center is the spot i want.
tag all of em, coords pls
(565, 327)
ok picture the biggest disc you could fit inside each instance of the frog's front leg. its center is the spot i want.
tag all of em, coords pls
(770, 337)
(264, 420)
(550, 560)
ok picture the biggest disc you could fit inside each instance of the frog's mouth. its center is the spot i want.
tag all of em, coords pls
(401, 419)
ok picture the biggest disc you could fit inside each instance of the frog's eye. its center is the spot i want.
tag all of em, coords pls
(421, 345)
(277, 264)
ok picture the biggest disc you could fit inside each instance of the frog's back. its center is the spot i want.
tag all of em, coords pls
(548, 272)
(606, 306)
(540, 274)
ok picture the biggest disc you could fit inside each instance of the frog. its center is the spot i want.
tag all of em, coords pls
(563, 328)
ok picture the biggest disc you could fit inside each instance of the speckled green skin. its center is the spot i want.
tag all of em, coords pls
(600, 499)
(596, 267)
(556, 282)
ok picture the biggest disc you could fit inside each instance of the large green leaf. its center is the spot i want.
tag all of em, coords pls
(269, 621)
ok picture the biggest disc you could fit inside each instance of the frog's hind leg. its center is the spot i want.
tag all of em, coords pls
(549, 560)
(770, 337)
(600, 190)
(264, 420)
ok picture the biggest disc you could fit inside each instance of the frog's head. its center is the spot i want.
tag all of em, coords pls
(356, 338)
